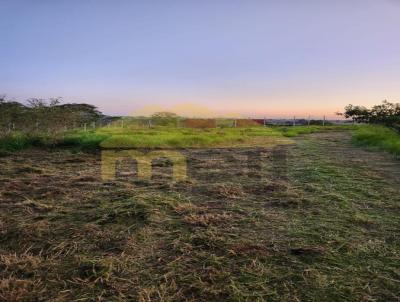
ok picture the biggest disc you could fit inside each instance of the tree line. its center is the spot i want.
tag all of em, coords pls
(40, 115)
(387, 114)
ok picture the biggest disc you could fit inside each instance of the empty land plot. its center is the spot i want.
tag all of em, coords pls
(317, 219)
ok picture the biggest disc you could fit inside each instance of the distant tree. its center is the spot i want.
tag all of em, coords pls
(11, 112)
(320, 122)
(164, 118)
(39, 115)
(164, 114)
(358, 114)
(386, 113)
(81, 113)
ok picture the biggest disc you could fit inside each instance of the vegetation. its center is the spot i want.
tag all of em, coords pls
(383, 129)
(310, 226)
(39, 116)
(275, 216)
(165, 119)
(159, 137)
(387, 114)
(298, 130)
(379, 137)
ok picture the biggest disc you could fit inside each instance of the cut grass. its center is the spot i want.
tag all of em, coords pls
(326, 230)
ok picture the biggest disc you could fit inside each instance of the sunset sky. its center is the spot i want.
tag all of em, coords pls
(256, 58)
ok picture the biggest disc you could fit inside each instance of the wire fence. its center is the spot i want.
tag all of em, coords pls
(143, 123)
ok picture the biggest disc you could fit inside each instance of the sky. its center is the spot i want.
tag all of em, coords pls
(255, 58)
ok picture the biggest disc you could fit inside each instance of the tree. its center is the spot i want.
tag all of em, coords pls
(164, 114)
(357, 113)
(11, 112)
(40, 115)
(165, 118)
(386, 113)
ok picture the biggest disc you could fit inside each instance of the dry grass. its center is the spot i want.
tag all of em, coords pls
(17, 290)
(325, 228)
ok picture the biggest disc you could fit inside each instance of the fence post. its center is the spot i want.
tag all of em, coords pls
(309, 119)
(84, 127)
(265, 121)
(294, 121)
(323, 121)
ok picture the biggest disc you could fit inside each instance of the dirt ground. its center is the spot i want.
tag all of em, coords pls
(317, 220)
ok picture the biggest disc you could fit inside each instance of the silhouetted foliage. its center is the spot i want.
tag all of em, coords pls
(386, 114)
(39, 115)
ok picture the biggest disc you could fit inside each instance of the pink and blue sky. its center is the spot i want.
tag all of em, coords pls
(258, 58)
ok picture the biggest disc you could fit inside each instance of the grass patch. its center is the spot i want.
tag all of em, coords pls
(158, 137)
(299, 130)
(379, 137)
(16, 141)
(180, 137)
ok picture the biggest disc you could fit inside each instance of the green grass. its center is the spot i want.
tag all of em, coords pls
(18, 141)
(157, 137)
(299, 130)
(379, 137)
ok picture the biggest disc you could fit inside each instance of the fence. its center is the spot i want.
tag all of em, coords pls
(142, 123)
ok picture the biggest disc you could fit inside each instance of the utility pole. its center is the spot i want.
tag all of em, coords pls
(294, 121)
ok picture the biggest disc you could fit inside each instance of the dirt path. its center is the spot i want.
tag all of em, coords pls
(317, 220)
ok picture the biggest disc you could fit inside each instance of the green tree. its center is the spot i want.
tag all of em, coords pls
(165, 118)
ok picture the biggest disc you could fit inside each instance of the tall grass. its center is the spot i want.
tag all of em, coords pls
(291, 131)
(177, 137)
(18, 141)
(379, 137)
(157, 137)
